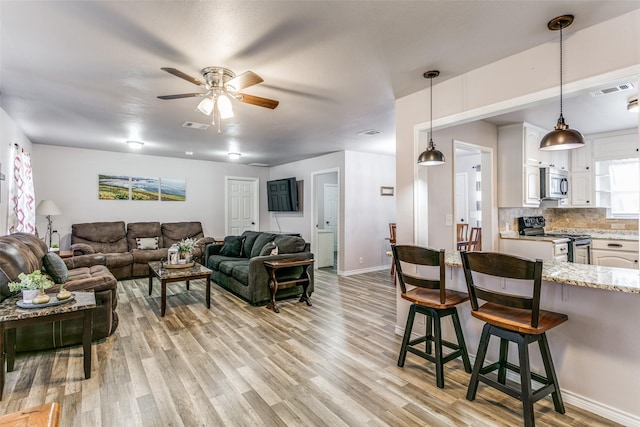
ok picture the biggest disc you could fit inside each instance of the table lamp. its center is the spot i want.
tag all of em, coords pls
(48, 208)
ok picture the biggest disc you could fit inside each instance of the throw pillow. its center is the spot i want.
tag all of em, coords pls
(290, 244)
(147, 243)
(232, 246)
(261, 240)
(55, 267)
(268, 249)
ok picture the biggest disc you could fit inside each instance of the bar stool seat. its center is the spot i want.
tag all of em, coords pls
(431, 298)
(514, 318)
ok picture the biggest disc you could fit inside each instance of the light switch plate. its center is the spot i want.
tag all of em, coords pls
(448, 219)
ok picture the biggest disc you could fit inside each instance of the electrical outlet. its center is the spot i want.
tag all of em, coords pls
(361, 260)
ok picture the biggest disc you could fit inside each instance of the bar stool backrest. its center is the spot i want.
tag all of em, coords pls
(505, 266)
(419, 256)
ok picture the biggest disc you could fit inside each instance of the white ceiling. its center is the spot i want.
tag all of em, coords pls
(87, 73)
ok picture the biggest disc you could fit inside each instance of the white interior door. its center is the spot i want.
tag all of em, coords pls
(462, 198)
(331, 211)
(242, 205)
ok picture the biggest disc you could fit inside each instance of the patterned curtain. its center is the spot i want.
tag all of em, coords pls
(22, 209)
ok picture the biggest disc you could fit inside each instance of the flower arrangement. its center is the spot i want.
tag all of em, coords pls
(187, 245)
(31, 281)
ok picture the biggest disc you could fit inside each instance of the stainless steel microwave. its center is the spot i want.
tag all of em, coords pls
(554, 183)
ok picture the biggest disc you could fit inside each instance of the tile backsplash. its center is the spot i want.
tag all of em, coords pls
(577, 218)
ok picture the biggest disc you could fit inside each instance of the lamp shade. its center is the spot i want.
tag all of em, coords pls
(562, 138)
(47, 207)
(224, 105)
(206, 106)
(431, 157)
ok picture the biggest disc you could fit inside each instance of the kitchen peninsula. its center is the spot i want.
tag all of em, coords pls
(596, 351)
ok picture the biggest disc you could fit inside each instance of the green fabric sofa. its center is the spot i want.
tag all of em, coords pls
(244, 273)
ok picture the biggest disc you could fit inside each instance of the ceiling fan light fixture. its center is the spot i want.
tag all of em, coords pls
(561, 137)
(431, 156)
(632, 105)
(206, 106)
(224, 106)
(135, 145)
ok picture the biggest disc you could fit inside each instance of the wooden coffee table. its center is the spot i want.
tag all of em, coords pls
(170, 275)
(12, 317)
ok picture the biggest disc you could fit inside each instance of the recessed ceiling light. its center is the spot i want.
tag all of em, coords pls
(189, 153)
(135, 145)
(369, 132)
(234, 156)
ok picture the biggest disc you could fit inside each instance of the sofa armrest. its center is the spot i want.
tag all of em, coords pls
(85, 261)
(82, 249)
(212, 249)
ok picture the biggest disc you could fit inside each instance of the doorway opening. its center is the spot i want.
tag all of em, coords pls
(472, 202)
(326, 219)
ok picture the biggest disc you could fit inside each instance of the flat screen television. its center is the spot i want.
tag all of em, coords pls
(282, 195)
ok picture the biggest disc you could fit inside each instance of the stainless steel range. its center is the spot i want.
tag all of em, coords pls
(579, 245)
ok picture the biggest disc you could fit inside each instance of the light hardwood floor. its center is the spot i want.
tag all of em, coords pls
(331, 364)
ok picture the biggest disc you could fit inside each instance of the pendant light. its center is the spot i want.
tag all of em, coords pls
(431, 156)
(561, 137)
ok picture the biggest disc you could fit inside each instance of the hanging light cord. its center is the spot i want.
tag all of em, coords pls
(561, 70)
(431, 112)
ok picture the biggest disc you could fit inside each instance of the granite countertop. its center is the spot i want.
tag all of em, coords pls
(595, 234)
(568, 273)
(515, 236)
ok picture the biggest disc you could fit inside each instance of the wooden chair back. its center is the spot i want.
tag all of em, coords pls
(462, 232)
(392, 233)
(419, 256)
(475, 240)
(504, 266)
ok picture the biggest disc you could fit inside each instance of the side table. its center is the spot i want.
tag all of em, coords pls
(273, 266)
(12, 317)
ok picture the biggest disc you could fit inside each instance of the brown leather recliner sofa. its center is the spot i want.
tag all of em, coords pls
(120, 243)
(23, 253)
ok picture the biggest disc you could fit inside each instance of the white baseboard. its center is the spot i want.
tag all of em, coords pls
(364, 270)
(571, 398)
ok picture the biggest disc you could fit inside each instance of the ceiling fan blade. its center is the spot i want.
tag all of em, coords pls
(184, 76)
(182, 95)
(243, 81)
(256, 100)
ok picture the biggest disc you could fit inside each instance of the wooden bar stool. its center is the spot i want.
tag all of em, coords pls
(431, 298)
(512, 318)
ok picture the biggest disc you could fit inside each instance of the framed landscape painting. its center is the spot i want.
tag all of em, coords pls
(113, 187)
(173, 189)
(143, 188)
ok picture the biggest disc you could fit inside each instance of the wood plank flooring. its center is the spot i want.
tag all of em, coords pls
(333, 364)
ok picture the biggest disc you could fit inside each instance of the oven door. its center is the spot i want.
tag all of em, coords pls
(582, 253)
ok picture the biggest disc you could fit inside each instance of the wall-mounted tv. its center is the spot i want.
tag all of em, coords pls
(282, 195)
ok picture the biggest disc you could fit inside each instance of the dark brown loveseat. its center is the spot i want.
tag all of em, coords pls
(119, 243)
(23, 253)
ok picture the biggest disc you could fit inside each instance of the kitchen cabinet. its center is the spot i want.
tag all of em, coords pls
(581, 189)
(325, 248)
(615, 253)
(519, 162)
(615, 145)
(582, 158)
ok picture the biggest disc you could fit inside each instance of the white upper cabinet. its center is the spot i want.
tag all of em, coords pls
(519, 160)
(618, 145)
(582, 158)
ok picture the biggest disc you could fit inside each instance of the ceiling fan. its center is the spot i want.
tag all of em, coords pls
(221, 84)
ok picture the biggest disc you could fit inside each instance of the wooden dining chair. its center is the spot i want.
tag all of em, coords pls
(514, 318)
(392, 241)
(462, 236)
(475, 240)
(431, 298)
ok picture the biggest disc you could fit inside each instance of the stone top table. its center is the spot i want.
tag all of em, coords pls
(569, 273)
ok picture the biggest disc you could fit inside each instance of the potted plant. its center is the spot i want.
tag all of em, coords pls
(185, 246)
(35, 282)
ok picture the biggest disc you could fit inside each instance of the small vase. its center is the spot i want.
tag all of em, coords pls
(63, 294)
(29, 294)
(42, 298)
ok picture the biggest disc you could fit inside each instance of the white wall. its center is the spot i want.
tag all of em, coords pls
(598, 54)
(364, 214)
(9, 134)
(69, 177)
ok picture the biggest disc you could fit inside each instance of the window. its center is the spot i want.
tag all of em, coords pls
(618, 187)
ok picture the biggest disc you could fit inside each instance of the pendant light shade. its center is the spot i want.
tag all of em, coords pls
(431, 156)
(561, 137)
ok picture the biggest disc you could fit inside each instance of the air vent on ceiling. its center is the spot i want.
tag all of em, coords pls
(264, 165)
(613, 89)
(369, 132)
(195, 125)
